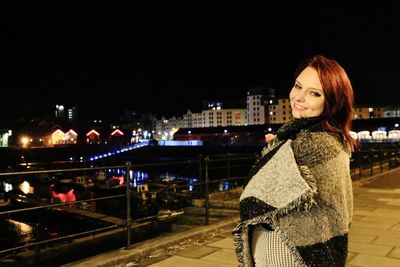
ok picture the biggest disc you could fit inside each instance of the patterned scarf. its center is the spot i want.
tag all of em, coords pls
(282, 191)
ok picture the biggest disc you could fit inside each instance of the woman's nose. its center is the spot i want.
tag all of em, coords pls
(300, 96)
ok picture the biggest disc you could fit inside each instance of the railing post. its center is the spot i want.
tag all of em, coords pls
(371, 163)
(206, 201)
(128, 204)
(228, 167)
(359, 158)
(37, 247)
(200, 175)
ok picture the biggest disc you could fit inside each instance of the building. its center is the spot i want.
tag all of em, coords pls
(217, 115)
(255, 108)
(368, 112)
(391, 112)
(279, 110)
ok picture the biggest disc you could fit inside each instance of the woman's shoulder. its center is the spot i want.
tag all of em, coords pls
(316, 147)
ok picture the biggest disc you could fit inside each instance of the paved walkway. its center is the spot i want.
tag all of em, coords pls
(374, 239)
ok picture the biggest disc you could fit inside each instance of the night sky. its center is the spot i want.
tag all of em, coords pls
(167, 57)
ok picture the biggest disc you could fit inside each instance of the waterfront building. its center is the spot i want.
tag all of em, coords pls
(368, 112)
(392, 112)
(218, 114)
(255, 107)
(279, 110)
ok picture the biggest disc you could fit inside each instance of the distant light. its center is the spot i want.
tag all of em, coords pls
(26, 187)
(269, 129)
(225, 131)
(72, 132)
(117, 132)
(93, 132)
(58, 131)
(7, 187)
(24, 140)
(396, 125)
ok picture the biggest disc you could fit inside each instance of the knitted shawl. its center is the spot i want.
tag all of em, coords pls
(300, 188)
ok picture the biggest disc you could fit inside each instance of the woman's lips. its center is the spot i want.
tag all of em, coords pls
(299, 107)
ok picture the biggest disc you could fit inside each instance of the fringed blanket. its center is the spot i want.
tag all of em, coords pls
(301, 189)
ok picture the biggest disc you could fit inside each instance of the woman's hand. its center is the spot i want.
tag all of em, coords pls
(269, 137)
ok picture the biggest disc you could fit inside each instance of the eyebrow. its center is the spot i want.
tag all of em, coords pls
(312, 88)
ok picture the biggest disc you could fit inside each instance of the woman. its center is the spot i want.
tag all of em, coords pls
(296, 207)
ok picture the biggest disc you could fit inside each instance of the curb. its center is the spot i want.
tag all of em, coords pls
(364, 181)
(140, 250)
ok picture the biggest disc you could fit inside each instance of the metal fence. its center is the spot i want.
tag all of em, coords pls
(372, 158)
(208, 168)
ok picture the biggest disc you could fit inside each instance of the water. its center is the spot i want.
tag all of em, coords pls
(22, 227)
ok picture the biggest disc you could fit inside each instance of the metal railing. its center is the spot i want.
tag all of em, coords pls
(371, 158)
(205, 165)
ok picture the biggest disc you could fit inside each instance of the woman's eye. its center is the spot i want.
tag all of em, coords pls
(315, 93)
(297, 86)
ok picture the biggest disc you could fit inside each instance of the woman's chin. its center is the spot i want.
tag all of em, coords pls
(297, 115)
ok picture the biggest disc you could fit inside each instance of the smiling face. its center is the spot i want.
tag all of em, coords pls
(307, 96)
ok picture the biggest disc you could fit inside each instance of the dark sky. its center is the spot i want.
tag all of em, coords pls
(168, 56)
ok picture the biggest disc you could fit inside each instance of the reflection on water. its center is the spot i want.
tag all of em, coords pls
(223, 186)
(23, 230)
(20, 229)
(31, 226)
(14, 232)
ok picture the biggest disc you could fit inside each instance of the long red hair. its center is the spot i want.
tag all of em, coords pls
(339, 96)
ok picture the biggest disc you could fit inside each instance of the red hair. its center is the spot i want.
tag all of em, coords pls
(339, 97)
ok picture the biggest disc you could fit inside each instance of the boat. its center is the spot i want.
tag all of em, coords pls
(144, 203)
(173, 193)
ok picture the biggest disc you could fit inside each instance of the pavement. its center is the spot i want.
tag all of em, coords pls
(374, 237)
